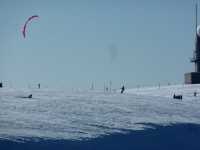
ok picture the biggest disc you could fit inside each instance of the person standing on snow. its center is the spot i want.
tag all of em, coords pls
(195, 93)
(122, 89)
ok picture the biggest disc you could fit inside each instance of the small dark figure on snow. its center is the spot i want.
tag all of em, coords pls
(122, 89)
(177, 96)
(195, 93)
(107, 89)
(30, 96)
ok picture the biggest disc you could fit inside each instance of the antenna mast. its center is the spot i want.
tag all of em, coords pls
(196, 20)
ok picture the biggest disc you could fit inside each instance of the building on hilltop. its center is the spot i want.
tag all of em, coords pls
(194, 77)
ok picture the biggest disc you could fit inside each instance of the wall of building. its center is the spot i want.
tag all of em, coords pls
(192, 78)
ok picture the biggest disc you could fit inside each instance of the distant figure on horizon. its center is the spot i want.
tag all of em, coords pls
(39, 86)
(177, 96)
(30, 96)
(195, 93)
(122, 89)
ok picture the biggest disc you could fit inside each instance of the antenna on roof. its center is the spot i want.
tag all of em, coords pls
(196, 20)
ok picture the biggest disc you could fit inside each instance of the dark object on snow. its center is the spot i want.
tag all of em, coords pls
(122, 89)
(195, 93)
(39, 86)
(1, 84)
(177, 96)
(30, 96)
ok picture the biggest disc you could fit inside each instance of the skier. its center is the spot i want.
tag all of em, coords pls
(107, 89)
(30, 96)
(122, 89)
(195, 93)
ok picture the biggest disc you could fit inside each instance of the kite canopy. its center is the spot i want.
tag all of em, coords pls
(24, 28)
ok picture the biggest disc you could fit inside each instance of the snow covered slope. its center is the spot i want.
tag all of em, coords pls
(75, 115)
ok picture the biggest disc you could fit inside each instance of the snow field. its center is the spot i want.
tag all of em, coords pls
(76, 115)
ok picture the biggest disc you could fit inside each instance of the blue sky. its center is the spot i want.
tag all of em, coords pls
(74, 44)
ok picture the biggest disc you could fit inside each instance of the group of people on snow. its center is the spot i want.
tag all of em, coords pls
(123, 88)
(180, 96)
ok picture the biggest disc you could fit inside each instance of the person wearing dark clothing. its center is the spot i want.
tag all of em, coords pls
(122, 89)
(195, 93)
(177, 96)
(30, 96)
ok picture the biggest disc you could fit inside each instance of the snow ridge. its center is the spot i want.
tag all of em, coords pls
(77, 115)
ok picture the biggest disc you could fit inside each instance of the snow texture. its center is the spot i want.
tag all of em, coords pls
(78, 115)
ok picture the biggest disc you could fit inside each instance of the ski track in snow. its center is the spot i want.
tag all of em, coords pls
(77, 115)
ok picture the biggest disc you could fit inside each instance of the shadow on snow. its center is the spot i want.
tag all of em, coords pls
(173, 137)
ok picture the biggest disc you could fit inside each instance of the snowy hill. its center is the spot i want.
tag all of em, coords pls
(86, 115)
